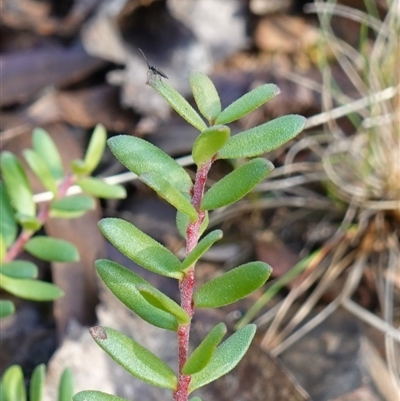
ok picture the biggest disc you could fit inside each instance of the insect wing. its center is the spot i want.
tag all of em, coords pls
(153, 70)
(158, 72)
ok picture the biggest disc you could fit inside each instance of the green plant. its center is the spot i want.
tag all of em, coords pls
(17, 208)
(211, 359)
(12, 385)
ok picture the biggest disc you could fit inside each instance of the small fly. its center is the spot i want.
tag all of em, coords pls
(153, 71)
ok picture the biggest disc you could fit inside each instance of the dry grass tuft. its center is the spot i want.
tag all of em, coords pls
(358, 162)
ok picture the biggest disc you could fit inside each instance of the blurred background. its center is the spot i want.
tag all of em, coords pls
(327, 219)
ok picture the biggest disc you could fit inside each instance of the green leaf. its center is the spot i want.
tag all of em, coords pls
(74, 203)
(140, 248)
(95, 149)
(7, 308)
(78, 167)
(205, 95)
(3, 249)
(41, 169)
(201, 248)
(161, 301)
(202, 355)
(137, 360)
(62, 214)
(66, 386)
(182, 221)
(17, 185)
(263, 138)
(19, 269)
(91, 395)
(100, 189)
(2, 393)
(140, 156)
(195, 399)
(52, 249)
(232, 286)
(170, 193)
(140, 296)
(209, 142)
(278, 285)
(247, 103)
(13, 384)
(236, 184)
(8, 225)
(178, 103)
(37, 383)
(47, 150)
(30, 289)
(28, 223)
(226, 357)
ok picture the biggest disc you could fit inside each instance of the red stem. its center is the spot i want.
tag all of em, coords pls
(17, 246)
(186, 285)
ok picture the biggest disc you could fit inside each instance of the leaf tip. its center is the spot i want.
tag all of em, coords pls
(98, 333)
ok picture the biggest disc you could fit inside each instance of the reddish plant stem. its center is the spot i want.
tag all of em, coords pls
(193, 229)
(68, 181)
(18, 245)
(186, 285)
(42, 216)
(186, 289)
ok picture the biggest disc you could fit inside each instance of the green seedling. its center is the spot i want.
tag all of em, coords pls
(12, 385)
(214, 357)
(21, 218)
